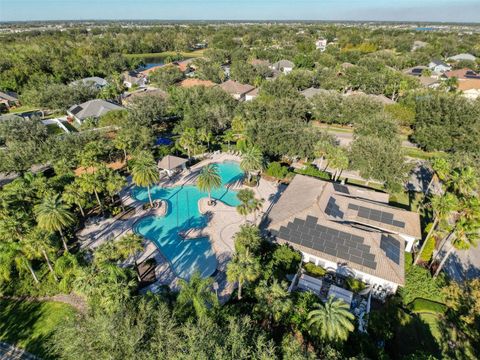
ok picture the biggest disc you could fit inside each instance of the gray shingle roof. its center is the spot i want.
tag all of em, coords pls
(93, 108)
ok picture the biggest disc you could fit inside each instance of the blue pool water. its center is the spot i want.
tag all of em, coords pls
(186, 256)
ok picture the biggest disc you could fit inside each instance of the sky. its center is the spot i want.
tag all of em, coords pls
(387, 10)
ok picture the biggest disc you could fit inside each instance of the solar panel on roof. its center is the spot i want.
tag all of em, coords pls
(391, 246)
(341, 188)
(379, 216)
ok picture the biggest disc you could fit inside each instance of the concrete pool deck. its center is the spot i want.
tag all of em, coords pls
(224, 222)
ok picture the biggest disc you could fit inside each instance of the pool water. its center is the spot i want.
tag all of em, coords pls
(186, 256)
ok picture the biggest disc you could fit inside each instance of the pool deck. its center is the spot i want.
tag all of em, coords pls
(223, 224)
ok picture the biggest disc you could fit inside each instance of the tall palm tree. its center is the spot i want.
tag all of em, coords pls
(188, 140)
(145, 171)
(243, 267)
(246, 196)
(332, 321)
(73, 194)
(206, 136)
(114, 183)
(67, 268)
(256, 205)
(442, 207)
(464, 181)
(14, 255)
(209, 179)
(53, 215)
(248, 238)
(197, 292)
(93, 183)
(252, 160)
(273, 300)
(39, 244)
(338, 160)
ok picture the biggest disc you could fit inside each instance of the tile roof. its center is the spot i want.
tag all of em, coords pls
(460, 73)
(171, 162)
(9, 96)
(191, 82)
(469, 84)
(93, 80)
(234, 87)
(282, 64)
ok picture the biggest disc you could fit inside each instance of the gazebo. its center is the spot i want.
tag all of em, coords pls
(171, 164)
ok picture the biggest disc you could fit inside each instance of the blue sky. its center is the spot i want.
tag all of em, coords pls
(400, 10)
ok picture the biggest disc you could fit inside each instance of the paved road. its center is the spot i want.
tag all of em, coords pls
(464, 264)
(345, 138)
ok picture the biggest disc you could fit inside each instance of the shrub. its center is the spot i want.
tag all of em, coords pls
(427, 252)
(312, 170)
(355, 285)
(424, 305)
(276, 170)
(314, 270)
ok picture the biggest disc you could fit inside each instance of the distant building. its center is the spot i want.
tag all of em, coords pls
(284, 66)
(321, 44)
(236, 89)
(8, 99)
(417, 44)
(191, 82)
(416, 71)
(134, 78)
(439, 66)
(462, 57)
(93, 81)
(468, 82)
(311, 92)
(91, 109)
(129, 98)
(251, 95)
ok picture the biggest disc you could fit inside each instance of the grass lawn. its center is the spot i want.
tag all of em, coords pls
(29, 324)
(23, 108)
(54, 129)
(421, 154)
(186, 54)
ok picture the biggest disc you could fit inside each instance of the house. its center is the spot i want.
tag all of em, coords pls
(8, 99)
(417, 44)
(259, 62)
(93, 81)
(284, 66)
(191, 82)
(429, 82)
(462, 74)
(416, 71)
(439, 66)
(134, 78)
(321, 44)
(311, 92)
(236, 89)
(185, 66)
(148, 71)
(91, 109)
(462, 57)
(129, 98)
(470, 88)
(252, 94)
(345, 228)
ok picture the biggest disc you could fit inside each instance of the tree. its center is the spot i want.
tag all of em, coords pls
(337, 159)
(209, 179)
(166, 76)
(205, 136)
(246, 197)
(331, 321)
(243, 267)
(145, 171)
(273, 301)
(40, 244)
(73, 194)
(252, 160)
(52, 215)
(248, 238)
(188, 140)
(114, 183)
(197, 292)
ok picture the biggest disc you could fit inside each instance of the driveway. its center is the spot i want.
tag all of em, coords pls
(464, 264)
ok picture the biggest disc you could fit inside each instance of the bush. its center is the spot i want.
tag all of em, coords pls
(424, 305)
(355, 285)
(276, 170)
(427, 252)
(314, 270)
(312, 170)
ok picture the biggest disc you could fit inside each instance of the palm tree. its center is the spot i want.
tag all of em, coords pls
(53, 215)
(331, 321)
(13, 254)
(115, 183)
(441, 170)
(442, 206)
(39, 244)
(73, 194)
(92, 183)
(67, 268)
(256, 205)
(145, 172)
(198, 293)
(243, 267)
(338, 160)
(205, 136)
(209, 179)
(273, 300)
(252, 160)
(189, 141)
(248, 238)
(464, 181)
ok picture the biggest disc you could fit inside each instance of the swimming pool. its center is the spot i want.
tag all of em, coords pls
(186, 256)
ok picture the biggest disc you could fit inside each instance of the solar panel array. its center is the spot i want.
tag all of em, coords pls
(341, 188)
(333, 209)
(327, 240)
(376, 215)
(391, 246)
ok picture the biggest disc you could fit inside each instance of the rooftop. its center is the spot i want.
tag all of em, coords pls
(171, 162)
(191, 82)
(234, 87)
(93, 108)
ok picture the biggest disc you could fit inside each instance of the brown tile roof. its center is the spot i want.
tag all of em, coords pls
(469, 84)
(459, 74)
(152, 69)
(171, 162)
(188, 83)
(234, 87)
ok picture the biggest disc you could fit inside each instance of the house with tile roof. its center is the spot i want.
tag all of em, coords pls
(236, 89)
(344, 228)
(93, 81)
(8, 99)
(285, 66)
